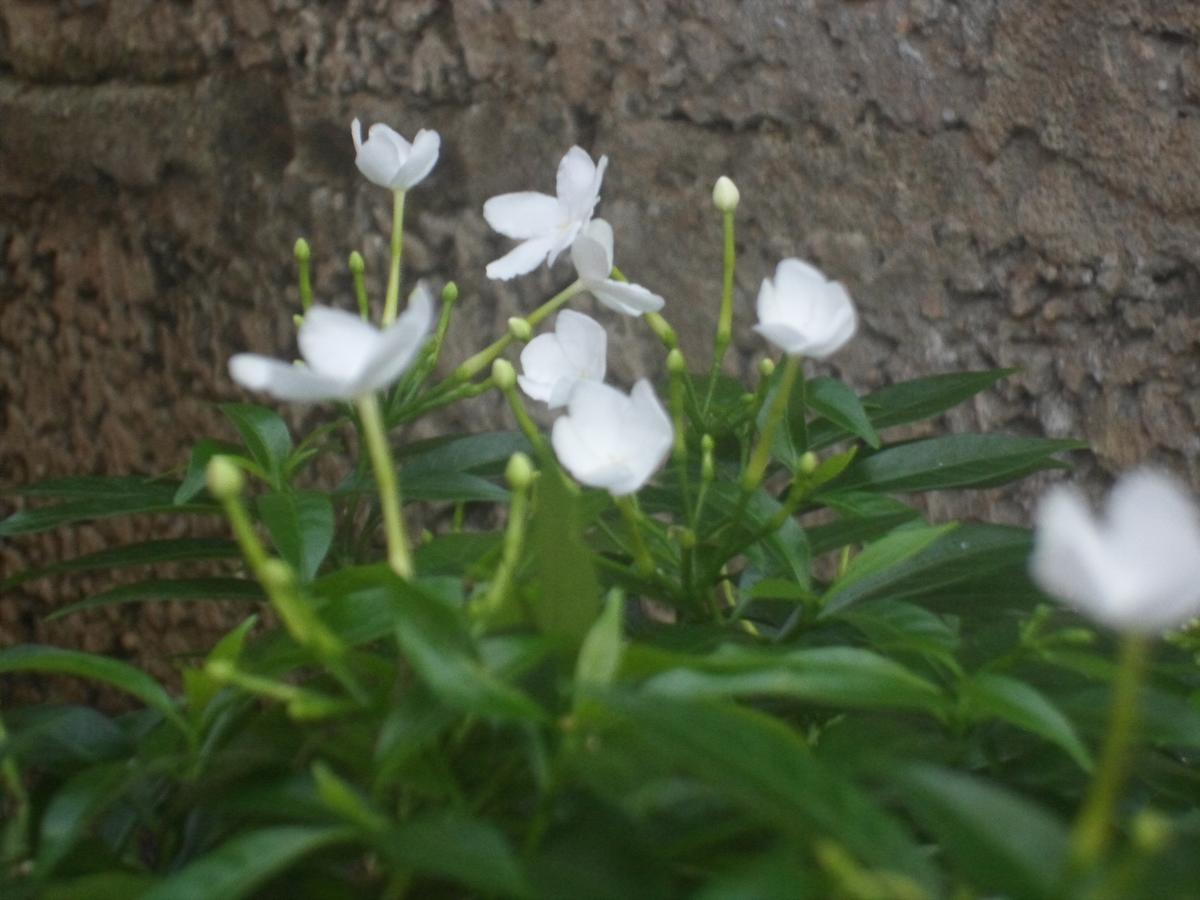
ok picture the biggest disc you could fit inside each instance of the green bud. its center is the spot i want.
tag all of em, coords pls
(766, 368)
(358, 265)
(302, 250)
(676, 364)
(707, 444)
(297, 320)
(725, 195)
(519, 329)
(504, 375)
(276, 575)
(684, 537)
(809, 463)
(1151, 831)
(219, 669)
(225, 479)
(450, 293)
(519, 472)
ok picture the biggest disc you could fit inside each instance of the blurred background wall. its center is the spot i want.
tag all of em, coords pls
(998, 182)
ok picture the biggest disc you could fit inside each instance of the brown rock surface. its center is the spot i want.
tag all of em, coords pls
(999, 182)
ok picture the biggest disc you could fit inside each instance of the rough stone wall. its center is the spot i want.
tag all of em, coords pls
(999, 183)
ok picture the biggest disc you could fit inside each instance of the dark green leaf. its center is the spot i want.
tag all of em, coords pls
(71, 810)
(301, 527)
(265, 435)
(893, 626)
(567, 601)
(453, 846)
(832, 400)
(999, 841)
(953, 461)
(143, 554)
(100, 886)
(165, 589)
(68, 737)
(240, 865)
(864, 517)
(1023, 705)
(457, 554)
(878, 563)
(460, 453)
(132, 496)
(600, 655)
(458, 487)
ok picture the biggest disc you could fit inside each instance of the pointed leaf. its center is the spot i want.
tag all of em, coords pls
(143, 554)
(1026, 707)
(167, 589)
(832, 400)
(876, 563)
(265, 435)
(301, 527)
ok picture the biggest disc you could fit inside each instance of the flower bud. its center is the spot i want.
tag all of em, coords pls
(276, 575)
(504, 374)
(519, 472)
(725, 195)
(684, 537)
(297, 320)
(450, 293)
(358, 265)
(708, 466)
(219, 669)
(1151, 831)
(809, 463)
(225, 479)
(519, 329)
(676, 364)
(707, 443)
(302, 250)
(766, 367)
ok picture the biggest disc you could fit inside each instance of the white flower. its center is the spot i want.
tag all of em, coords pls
(803, 313)
(612, 440)
(390, 161)
(346, 357)
(552, 364)
(545, 225)
(1137, 569)
(592, 254)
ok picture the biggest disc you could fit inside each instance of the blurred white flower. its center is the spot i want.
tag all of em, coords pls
(553, 363)
(545, 225)
(612, 440)
(592, 254)
(1138, 568)
(346, 358)
(390, 161)
(803, 313)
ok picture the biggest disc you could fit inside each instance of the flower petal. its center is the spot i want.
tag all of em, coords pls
(627, 299)
(284, 380)
(522, 215)
(335, 343)
(380, 156)
(584, 344)
(543, 366)
(576, 183)
(398, 344)
(422, 157)
(784, 336)
(592, 251)
(1069, 559)
(525, 257)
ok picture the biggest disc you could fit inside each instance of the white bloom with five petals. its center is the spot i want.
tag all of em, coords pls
(388, 160)
(545, 225)
(1135, 570)
(612, 440)
(553, 363)
(345, 358)
(592, 254)
(804, 313)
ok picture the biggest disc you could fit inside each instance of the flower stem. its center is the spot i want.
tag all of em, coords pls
(514, 542)
(389, 491)
(1093, 827)
(484, 358)
(725, 318)
(759, 457)
(392, 299)
(303, 259)
(628, 506)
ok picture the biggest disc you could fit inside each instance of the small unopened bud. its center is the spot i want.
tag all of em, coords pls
(358, 265)
(1151, 831)
(809, 463)
(219, 669)
(684, 537)
(519, 329)
(766, 368)
(676, 364)
(725, 195)
(276, 575)
(302, 250)
(707, 443)
(225, 479)
(519, 472)
(450, 293)
(708, 466)
(504, 374)
(297, 320)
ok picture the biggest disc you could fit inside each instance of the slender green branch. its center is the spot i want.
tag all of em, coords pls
(725, 318)
(755, 470)
(643, 561)
(392, 300)
(389, 492)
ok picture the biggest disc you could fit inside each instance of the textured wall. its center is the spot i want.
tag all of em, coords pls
(999, 182)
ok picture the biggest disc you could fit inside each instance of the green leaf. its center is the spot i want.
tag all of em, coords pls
(864, 517)
(195, 479)
(100, 886)
(71, 810)
(63, 737)
(1000, 842)
(832, 400)
(457, 487)
(459, 848)
(37, 658)
(912, 401)
(954, 461)
(343, 800)
(989, 695)
(600, 655)
(457, 554)
(265, 435)
(877, 562)
(165, 589)
(96, 498)
(766, 767)
(893, 626)
(143, 554)
(240, 865)
(301, 527)
(568, 599)
(833, 676)
(460, 453)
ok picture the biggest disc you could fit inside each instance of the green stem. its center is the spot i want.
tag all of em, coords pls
(628, 506)
(392, 299)
(528, 426)
(761, 455)
(1093, 827)
(16, 832)
(725, 318)
(514, 542)
(485, 357)
(385, 477)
